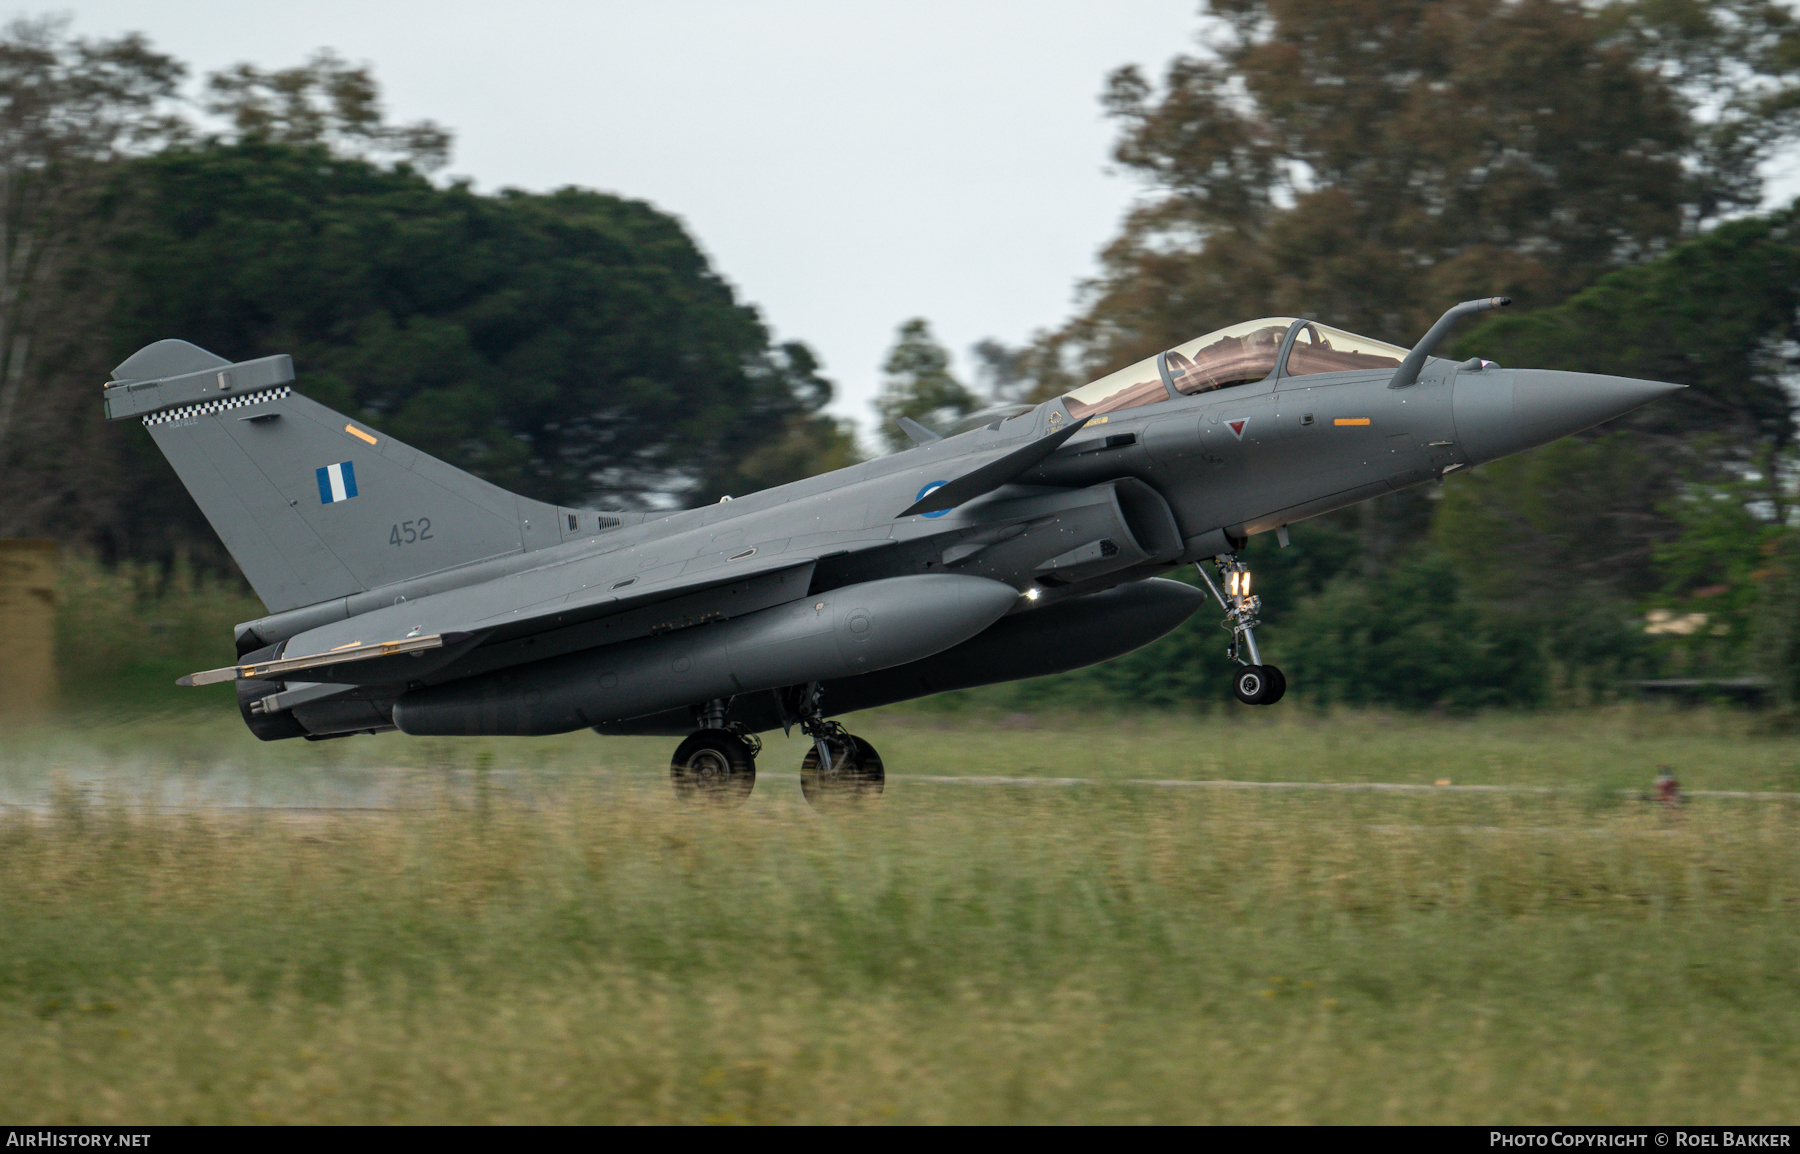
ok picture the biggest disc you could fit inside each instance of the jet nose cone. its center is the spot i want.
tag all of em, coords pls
(1548, 405)
(1506, 411)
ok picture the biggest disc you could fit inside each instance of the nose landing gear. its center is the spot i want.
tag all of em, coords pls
(1255, 683)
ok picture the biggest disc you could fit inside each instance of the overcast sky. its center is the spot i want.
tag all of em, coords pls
(846, 165)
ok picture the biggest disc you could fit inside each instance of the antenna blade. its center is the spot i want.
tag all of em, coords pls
(919, 433)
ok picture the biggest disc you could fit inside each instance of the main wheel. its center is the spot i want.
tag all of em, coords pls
(713, 766)
(1252, 685)
(1278, 684)
(856, 776)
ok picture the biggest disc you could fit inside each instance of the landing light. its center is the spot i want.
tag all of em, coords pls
(1033, 593)
(1237, 582)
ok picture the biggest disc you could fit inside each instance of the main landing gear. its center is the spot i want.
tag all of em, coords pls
(1255, 683)
(717, 763)
(715, 766)
(840, 770)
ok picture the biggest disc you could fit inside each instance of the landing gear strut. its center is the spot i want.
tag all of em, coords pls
(840, 769)
(1255, 683)
(717, 763)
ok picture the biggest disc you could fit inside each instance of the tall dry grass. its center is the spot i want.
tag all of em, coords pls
(597, 953)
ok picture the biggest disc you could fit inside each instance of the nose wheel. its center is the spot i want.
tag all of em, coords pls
(1259, 685)
(1255, 683)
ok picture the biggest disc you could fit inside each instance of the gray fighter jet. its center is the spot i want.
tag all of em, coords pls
(405, 594)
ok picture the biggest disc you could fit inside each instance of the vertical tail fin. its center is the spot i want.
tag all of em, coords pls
(313, 505)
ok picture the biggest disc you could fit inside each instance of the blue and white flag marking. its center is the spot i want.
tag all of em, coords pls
(336, 482)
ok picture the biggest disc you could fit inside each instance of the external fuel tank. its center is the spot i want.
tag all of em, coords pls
(840, 633)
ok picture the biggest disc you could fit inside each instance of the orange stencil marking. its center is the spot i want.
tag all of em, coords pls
(362, 436)
(1350, 420)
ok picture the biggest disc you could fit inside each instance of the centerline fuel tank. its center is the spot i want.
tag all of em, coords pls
(843, 632)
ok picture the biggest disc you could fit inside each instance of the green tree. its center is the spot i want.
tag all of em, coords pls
(1678, 498)
(809, 443)
(1004, 372)
(1412, 639)
(573, 346)
(919, 385)
(322, 102)
(1719, 313)
(1775, 632)
(1576, 515)
(71, 111)
(1734, 66)
(1368, 162)
(1713, 572)
(1559, 547)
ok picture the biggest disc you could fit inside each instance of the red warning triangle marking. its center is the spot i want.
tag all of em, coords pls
(1237, 427)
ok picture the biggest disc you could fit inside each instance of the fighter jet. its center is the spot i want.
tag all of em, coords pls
(406, 594)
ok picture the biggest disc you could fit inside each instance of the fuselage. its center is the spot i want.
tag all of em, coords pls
(1228, 464)
(1171, 467)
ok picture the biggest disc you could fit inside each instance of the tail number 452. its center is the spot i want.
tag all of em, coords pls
(410, 532)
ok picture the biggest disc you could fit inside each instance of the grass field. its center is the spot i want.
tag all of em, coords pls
(535, 932)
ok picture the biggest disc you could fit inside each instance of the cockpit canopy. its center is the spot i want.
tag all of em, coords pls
(1322, 349)
(1237, 355)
